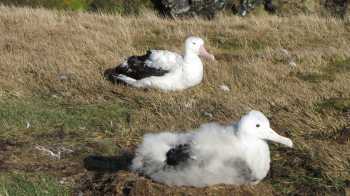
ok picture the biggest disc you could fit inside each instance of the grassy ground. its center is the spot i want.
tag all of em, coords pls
(30, 184)
(54, 97)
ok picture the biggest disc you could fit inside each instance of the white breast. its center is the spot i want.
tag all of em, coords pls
(257, 155)
(192, 71)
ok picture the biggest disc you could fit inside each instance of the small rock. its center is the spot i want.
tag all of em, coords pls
(224, 88)
(208, 114)
(28, 125)
(285, 52)
(285, 56)
(292, 64)
(189, 103)
(62, 181)
(62, 77)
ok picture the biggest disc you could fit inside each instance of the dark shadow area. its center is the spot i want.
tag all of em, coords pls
(157, 4)
(103, 177)
(106, 164)
(337, 8)
(109, 74)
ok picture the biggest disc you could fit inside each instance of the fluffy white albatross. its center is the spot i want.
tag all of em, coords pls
(165, 70)
(212, 154)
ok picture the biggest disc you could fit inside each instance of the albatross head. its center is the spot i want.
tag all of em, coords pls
(255, 124)
(195, 45)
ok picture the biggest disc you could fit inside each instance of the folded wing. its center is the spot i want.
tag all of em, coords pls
(153, 63)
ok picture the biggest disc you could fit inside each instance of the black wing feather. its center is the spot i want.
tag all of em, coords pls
(137, 69)
(178, 155)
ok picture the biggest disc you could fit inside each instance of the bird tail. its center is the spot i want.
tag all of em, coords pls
(108, 164)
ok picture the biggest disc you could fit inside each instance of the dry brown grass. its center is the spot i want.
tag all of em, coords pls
(37, 46)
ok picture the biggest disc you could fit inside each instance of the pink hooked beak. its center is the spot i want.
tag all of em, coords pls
(204, 53)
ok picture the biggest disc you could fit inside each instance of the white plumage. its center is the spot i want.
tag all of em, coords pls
(212, 154)
(164, 59)
(165, 70)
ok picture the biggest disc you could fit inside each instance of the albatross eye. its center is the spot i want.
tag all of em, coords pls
(257, 125)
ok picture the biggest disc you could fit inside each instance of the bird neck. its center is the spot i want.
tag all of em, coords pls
(190, 56)
(192, 69)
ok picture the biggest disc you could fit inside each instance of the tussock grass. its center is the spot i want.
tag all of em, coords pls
(51, 55)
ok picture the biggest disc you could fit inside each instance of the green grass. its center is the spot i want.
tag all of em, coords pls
(20, 184)
(84, 128)
(338, 65)
(227, 44)
(328, 72)
(110, 6)
(315, 77)
(52, 112)
(339, 104)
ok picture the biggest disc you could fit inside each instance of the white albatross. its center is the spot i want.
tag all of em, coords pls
(212, 154)
(165, 70)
